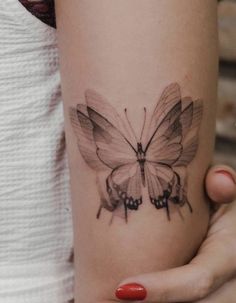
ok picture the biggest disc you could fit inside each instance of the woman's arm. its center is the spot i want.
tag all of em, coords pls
(128, 53)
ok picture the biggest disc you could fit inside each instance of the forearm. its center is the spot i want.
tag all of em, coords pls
(129, 52)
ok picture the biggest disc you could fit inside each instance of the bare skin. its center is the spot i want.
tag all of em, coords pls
(210, 275)
(130, 51)
(220, 186)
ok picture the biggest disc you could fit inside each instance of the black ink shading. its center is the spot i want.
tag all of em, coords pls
(125, 164)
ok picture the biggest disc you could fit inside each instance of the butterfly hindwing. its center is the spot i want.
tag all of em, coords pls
(124, 187)
(159, 178)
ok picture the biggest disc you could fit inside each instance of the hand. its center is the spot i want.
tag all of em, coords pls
(209, 277)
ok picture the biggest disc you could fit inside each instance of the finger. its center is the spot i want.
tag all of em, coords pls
(224, 294)
(221, 184)
(185, 284)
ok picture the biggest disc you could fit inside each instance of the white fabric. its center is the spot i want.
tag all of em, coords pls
(35, 214)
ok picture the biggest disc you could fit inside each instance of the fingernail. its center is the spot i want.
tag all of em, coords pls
(227, 174)
(131, 292)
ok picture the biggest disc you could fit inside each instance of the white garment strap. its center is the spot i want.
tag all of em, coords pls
(36, 235)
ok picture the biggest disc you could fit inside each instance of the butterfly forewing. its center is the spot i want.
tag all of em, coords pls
(100, 105)
(190, 134)
(83, 130)
(113, 149)
(165, 144)
(169, 98)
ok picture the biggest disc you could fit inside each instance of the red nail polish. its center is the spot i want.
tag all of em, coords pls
(131, 292)
(227, 174)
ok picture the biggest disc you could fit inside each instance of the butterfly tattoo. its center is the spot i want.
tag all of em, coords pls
(126, 165)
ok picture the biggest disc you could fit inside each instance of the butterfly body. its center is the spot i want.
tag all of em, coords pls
(141, 158)
(158, 162)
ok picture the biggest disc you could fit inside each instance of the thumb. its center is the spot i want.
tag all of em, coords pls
(188, 283)
(221, 184)
(175, 285)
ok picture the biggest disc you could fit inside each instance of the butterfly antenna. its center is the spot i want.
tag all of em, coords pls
(144, 123)
(130, 125)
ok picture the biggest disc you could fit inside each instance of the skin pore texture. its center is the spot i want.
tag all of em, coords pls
(128, 53)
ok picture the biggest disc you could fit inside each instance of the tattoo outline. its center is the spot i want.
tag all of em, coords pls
(157, 161)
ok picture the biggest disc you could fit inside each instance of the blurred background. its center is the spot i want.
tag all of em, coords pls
(226, 117)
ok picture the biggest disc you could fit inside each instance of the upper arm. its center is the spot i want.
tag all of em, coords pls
(128, 52)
